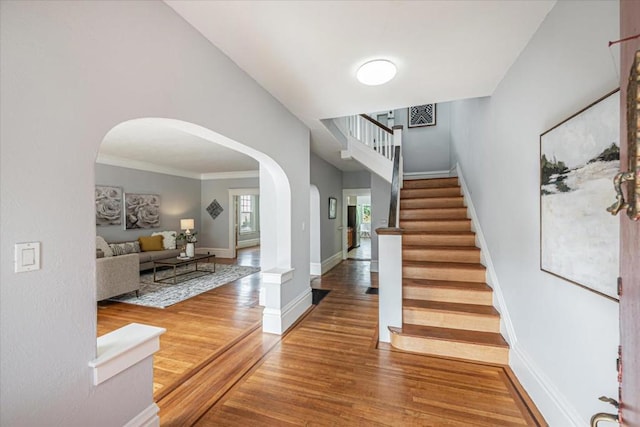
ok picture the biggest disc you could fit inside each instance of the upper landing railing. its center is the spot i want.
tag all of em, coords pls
(372, 134)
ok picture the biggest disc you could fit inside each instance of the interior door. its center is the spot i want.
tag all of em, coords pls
(630, 241)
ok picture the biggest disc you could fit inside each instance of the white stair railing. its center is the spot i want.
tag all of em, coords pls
(372, 134)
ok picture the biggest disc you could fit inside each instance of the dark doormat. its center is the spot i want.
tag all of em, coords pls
(317, 295)
(372, 291)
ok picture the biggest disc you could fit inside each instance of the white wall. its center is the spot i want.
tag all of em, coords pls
(425, 148)
(380, 196)
(70, 72)
(567, 337)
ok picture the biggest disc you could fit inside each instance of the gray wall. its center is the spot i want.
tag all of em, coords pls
(70, 72)
(354, 180)
(567, 337)
(380, 196)
(179, 198)
(214, 233)
(426, 149)
(328, 179)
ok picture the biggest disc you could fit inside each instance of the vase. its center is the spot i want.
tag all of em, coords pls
(191, 249)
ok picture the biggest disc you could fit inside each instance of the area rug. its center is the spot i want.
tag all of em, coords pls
(165, 294)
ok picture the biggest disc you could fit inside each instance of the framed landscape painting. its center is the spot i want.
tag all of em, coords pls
(579, 239)
(142, 211)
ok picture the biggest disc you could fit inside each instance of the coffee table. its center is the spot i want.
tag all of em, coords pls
(177, 262)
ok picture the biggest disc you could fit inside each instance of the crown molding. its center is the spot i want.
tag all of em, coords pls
(230, 175)
(151, 167)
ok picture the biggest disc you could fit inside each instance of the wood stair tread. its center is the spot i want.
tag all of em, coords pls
(456, 265)
(458, 335)
(442, 248)
(451, 307)
(431, 183)
(439, 233)
(475, 286)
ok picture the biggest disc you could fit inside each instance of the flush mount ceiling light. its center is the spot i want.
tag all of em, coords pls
(376, 72)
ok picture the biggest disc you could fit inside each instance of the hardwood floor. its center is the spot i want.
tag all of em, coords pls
(198, 329)
(327, 370)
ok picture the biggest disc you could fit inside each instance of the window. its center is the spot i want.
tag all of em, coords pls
(247, 214)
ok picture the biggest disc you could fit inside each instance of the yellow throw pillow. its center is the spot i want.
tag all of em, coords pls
(150, 243)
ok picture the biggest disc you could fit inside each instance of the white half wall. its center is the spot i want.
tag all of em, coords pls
(567, 337)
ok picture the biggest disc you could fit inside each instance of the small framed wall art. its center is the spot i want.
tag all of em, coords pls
(422, 115)
(333, 207)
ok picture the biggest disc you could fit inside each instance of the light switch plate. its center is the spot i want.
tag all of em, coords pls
(27, 257)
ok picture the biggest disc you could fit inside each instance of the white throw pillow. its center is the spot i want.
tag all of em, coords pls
(102, 244)
(168, 238)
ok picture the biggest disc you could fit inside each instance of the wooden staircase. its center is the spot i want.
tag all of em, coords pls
(447, 306)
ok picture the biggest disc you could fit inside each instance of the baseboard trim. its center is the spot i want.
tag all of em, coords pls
(147, 418)
(506, 325)
(315, 269)
(549, 400)
(219, 252)
(276, 321)
(247, 243)
(331, 262)
(426, 175)
(373, 266)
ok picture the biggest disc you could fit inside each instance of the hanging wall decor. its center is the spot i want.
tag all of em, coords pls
(108, 205)
(142, 211)
(422, 115)
(579, 239)
(214, 209)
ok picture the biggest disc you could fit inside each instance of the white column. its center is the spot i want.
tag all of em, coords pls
(389, 280)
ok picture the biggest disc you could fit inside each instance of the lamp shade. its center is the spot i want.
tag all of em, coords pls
(186, 224)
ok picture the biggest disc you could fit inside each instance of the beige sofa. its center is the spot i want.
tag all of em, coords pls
(117, 275)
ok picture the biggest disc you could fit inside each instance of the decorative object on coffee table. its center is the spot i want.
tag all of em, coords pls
(188, 237)
(108, 205)
(142, 211)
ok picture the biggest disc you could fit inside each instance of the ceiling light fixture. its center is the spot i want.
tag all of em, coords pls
(376, 72)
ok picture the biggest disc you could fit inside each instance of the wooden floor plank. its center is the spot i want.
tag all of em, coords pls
(325, 371)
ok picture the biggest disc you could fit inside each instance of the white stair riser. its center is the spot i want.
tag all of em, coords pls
(471, 256)
(444, 319)
(460, 296)
(436, 213)
(443, 348)
(411, 193)
(442, 225)
(458, 275)
(437, 202)
(438, 240)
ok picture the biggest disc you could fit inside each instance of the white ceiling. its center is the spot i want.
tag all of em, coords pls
(143, 144)
(306, 53)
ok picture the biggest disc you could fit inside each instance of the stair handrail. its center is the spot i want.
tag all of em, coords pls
(395, 189)
(371, 133)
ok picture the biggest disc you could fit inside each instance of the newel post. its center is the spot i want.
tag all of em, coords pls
(389, 280)
(397, 142)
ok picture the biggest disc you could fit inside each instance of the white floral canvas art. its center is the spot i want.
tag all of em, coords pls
(142, 211)
(108, 205)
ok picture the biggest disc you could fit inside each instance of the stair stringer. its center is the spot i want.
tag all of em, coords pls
(506, 326)
(369, 158)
